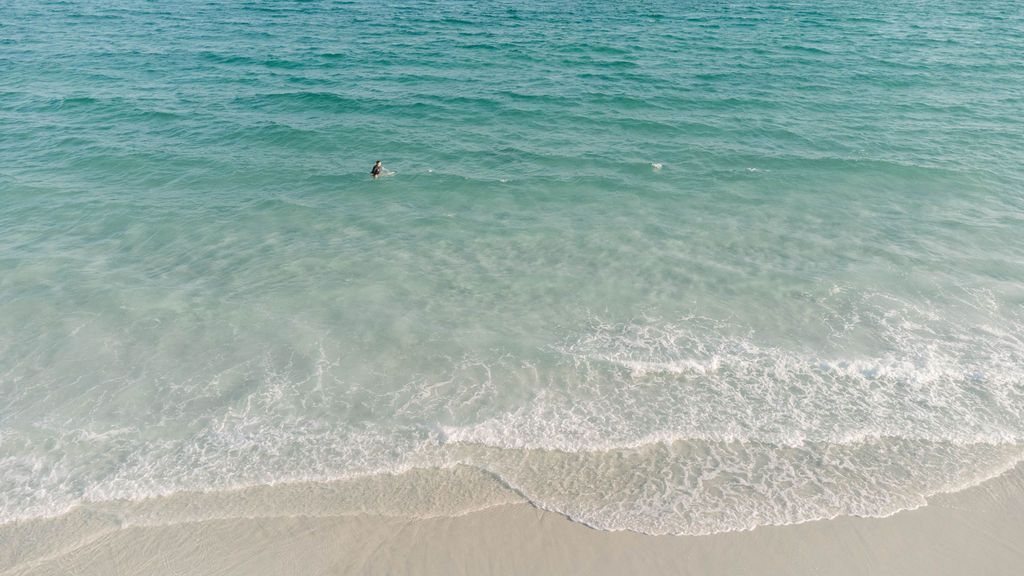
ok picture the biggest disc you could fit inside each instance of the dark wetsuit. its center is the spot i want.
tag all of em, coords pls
(376, 170)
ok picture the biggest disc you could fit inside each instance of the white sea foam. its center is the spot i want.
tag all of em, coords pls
(689, 426)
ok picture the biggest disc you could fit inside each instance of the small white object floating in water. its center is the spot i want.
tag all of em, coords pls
(656, 166)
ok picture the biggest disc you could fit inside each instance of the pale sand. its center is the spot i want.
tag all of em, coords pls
(977, 531)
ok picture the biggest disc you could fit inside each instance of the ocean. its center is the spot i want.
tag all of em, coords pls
(670, 267)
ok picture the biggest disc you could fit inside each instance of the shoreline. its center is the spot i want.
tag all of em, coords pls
(979, 530)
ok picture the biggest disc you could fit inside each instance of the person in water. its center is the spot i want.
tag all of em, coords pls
(376, 170)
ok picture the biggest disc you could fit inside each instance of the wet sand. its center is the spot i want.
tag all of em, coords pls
(976, 531)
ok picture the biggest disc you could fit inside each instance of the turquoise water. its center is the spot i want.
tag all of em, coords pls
(673, 267)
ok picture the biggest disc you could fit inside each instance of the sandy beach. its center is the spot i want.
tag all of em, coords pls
(437, 287)
(977, 531)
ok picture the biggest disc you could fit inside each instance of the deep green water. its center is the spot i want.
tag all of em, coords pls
(815, 306)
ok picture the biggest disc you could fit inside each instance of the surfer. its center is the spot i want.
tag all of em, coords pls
(376, 170)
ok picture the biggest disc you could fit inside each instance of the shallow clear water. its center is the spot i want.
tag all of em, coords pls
(814, 307)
